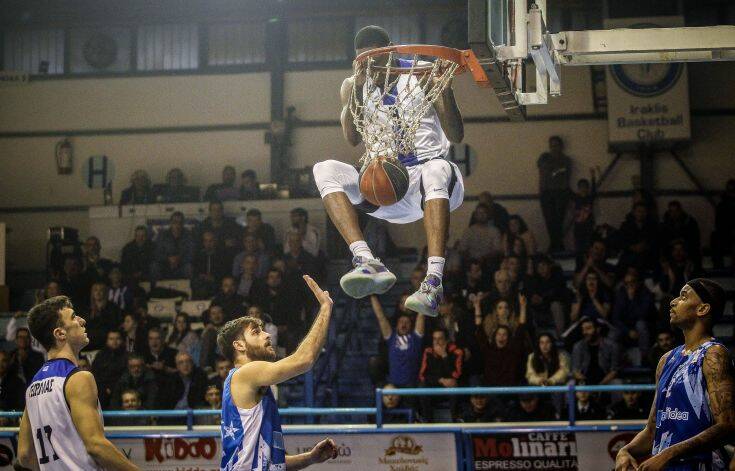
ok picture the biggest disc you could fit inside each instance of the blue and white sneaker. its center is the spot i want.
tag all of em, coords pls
(368, 277)
(426, 300)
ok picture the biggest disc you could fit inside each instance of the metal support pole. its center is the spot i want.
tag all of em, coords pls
(379, 408)
(571, 404)
(189, 419)
(693, 178)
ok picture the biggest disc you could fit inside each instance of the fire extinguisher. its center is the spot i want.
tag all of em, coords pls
(64, 157)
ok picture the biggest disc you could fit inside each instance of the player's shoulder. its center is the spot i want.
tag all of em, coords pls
(718, 353)
(80, 382)
(346, 88)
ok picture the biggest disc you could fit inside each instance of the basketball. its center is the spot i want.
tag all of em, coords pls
(384, 181)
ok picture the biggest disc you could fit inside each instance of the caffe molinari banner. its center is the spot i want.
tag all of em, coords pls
(647, 103)
(557, 451)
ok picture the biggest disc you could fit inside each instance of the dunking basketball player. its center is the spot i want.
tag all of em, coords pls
(693, 412)
(251, 427)
(435, 188)
(61, 428)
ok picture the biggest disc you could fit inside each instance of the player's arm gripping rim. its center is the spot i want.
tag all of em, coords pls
(349, 130)
(642, 443)
(449, 115)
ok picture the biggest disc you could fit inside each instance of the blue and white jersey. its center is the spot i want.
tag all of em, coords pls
(430, 141)
(55, 437)
(683, 410)
(251, 438)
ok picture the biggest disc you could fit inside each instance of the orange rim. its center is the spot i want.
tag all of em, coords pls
(465, 58)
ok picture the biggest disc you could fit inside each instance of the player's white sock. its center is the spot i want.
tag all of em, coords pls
(436, 266)
(360, 249)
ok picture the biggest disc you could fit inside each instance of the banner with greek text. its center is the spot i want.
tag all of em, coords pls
(647, 103)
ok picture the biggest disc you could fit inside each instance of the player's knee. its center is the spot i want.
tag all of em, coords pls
(436, 176)
(325, 176)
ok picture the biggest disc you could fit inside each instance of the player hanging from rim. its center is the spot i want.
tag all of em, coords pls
(251, 427)
(435, 185)
(693, 412)
(61, 428)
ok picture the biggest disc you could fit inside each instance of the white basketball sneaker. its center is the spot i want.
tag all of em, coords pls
(426, 300)
(368, 277)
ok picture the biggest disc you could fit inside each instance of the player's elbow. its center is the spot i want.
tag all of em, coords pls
(353, 138)
(95, 447)
(456, 136)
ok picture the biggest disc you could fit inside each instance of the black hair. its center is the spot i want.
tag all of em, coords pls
(583, 181)
(253, 212)
(536, 360)
(141, 228)
(249, 173)
(176, 214)
(231, 331)
(45, 317)
(371, 36)
(301, 212)
(557, 139)
(522, 226)
(710, 292)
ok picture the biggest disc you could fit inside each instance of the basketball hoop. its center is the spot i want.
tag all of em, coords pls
(388, 118)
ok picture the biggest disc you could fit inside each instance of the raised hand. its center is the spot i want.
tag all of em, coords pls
(319, 294)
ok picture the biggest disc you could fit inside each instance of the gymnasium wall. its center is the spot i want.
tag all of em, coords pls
(161, 122)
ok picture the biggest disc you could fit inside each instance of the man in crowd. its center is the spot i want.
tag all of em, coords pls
(109, 364)
(160, 357)
(595, 359)
(188, 384)
(498, 215)
(678, 224)
(140, 378)
(73, 284)
(208, 351)
(173, 252)
(24, 361)
(233, 305)
(633, 309)
(309, 234)
(630, 407)
(639, 239)
(664, 343)
(209, 266)
(135, 260)
(103, 317)
(249, 186)
(222, 369)
(130, 402)
(596, 261)
(283, 304)
(225, 229)
(529, 408)
(12, 388)
(299, 260)
(554, 172)
(225, 191)
(94, 267)
(251, 245)
(260, 230)
(441, 366)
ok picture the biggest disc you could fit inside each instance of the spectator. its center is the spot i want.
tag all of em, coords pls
(639, 238)
(457, 323)
(135, 260)
(516, 268)
(503, 358)
(595, 359)
(222, 368)
(309, 234)
(633, 309)
(441, 366)
(72, 283)
(529, 408)
(213, 402)
(503, 288)
(595, 261)
(94, 267)
(723, 237)
(173, 251)
(225, 191)
(481, 240)
(473, 282)
(679, 225)
(50, 290)
(248, 280)
(647, 199)
(19, 321)
(548, 296)
(251, 246)
(284, 306)
(518, 229)
(504, 314)
(585, 408)
(554, 172)
(109, 364)
(404, 345)
(664, 343)
(12, 388)
(134, 334)
(676, 269)
(299, 260)
(188, 384)
(208, 351)
(547, 366)
(225, 229)
(630, 407)
(209, 266)
(182, 338)
(260, 230)
(119, 294)
(103, 316)
(140, 378)
(249, 186)
(479, 410)
(592, 300)
(391, 403)
(498, 215)
(160, 358)
(232, 303)
(139, 191)
(584, 213)
(130, 401)
(268, 325)
(175, 189)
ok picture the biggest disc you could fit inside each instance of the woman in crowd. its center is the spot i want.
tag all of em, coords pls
(135, 336)
(547, 366)
(504, 315)
(592, 300)
(518, 229)
(183, 338)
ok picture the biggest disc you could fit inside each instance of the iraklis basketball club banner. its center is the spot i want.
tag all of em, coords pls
(647, 103)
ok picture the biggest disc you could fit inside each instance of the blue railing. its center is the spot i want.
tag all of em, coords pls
(568, 390)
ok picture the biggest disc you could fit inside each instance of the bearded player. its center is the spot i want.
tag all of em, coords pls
(435, 186)
(251, 427)
(693, 413)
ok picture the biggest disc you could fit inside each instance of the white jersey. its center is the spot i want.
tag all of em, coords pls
(56, 440)
(430, 141)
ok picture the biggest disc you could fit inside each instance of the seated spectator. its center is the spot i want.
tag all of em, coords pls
(248, 280)
(518, 229)
(309, 234)
(633, 309)
(441, 367)
(284, 306)
(481, 240)
(529, 408)
(109, 364)
(94, 267)
(130, 401)
(547, 366)
(227, 232)
(175, 189)
(209, 266)
(548, 296)
(232, 303)
(299, 260)
(188, 384)
(24, 361)
(391, 403)
(503, 289)
(592, 300)
(595, 359)
(497, 214)
(139, 378)
(173, 251)
(20, 321)
(584, 213)
(103, 316)
(160, 358)
(586, 407)
(251, 246)
(73, 284)
(404, 345)
(262, 231)
(517, 270)
(12, 388)
(473, 282)
(249, 186)
(182, 338)
(596, 261)
(225, 191)
(644, 197)
(664, 343)
(268, 325)
(135, 260)
(480, 409)
(503, 358)
(139, 191)
(676, 269)
(213, 402)
(677, 225)
(50, 290)
(208, 351)
(119, 294)
(503, 314)
(723, 237)
(639, 239)
(630, 407)
(222, 369)
(517, 249)
(134, 334)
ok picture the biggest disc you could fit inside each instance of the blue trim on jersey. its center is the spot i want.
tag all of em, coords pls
(58, 367)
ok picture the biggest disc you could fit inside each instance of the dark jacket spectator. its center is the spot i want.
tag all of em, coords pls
(208, 352)
(210, 265)
(173, 251)
(593, 300)
(299, 261)
(586, 408)
(130, 401)
(277, 299)
(679, 225)
(529, 408)
(175, 189)
(498, 215)
(140, 378)
(159, 357)
(441, 362)
(262, 231)
(188, 384)
(548, 296)
(24, 361)
(664, 343)
(481, 409)
(225, 191)
(630, 407)
(139, 191)
(226, 230)
(639, 240)
(135, 260)
(12, 388)
(109, 364)
(595, 261)
(248, 281)
(251, 246)
(72, 283)
(232, 303)
(481, 240)
(595, 359)
(555, 169)
(118, 293)
(677, 268)
(503, 358)
(249, 186)
(135, 334)
(633, 310)
(94, 266)
(103, 317)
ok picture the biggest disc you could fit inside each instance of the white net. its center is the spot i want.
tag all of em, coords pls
(388, 110)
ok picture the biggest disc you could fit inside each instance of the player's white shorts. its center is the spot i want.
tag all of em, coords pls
(436, 178)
